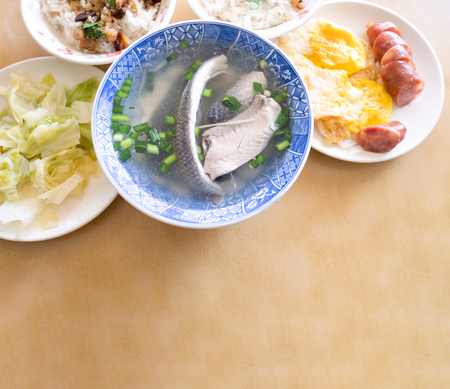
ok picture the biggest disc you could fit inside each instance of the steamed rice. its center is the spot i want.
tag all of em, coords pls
(270, 13)
(137, 21)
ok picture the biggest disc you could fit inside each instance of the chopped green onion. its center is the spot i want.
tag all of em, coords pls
(152, 135)
(197, 130)
(117, 101)
(207, 92)
(170, 134)
(267, 93)
(285, 94)
(126, 88)
(168, 149)
(126, 143)
(124, 128)
(118, 138)
(162, 144)
(196, 65)
(122, 94)
(163, 167)
(285, 111)
(232, 103)
(134, 136)
(140, 143)
(189, 75)
(288, 136)
(125, 155)
(282, 120)
(282, 131)
(260, 159)
(128, 81)
(140, 128)
(170, 159)
(253, 163)
(153, 149)
(118, 109)
(115, 125)
(278, 98)
(170, 120)
(116, 146)
(140, 149)
(199, 149)
(263, 63)
(171, 57)
(132, 108)
(201, 157)
(257, 87)
(282, 145)
(183, 44)
(162, 134)
(116, 117)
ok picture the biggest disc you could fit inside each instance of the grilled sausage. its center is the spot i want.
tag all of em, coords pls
(376, 29)
(397, 53)
(402, 81)
(385, 41)
(381, 138)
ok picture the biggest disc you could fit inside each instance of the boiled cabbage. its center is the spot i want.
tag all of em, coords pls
(13, 172)
(85, 91)
(51, 136)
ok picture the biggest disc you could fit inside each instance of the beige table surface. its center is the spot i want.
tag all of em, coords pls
(343, 283)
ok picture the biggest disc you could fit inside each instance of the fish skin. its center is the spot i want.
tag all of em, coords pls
(188, 165)
(230, 146)
(243, 91)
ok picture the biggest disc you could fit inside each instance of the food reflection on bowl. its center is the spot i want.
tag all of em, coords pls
(268, 18)
(95, 32)
(146, 102)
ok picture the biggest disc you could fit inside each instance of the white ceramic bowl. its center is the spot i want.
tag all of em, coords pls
(52, 40)
(302, 17)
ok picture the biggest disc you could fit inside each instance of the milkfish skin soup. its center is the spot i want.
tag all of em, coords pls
(201, 123)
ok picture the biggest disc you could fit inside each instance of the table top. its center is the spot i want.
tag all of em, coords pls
(343, 283)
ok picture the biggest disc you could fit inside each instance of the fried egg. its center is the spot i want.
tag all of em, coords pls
(342, 78)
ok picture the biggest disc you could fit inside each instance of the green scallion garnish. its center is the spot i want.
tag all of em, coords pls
(263, 63)
(126, 143)
(153, 149)
(140, 128)
(115, 125)
(260, 159)
(189, 75)
(201, 157)
(282, 145)
(125, 155)
(197, 130)
(116, 117)
(117, 101)
(170, 134)
(163, 167)
(168, 149)
(207, 92)
(118, 138)
(171, 57)
(183, 44)
(282, 120)
(231, 102)
(196, 65)
(118, 109)
(170, 120)
(278, 98)
(116, 146)
(267, 93)
(257, 87)
(122, 94)
(253, 163)
(134, 136)
(170, 159)
(124, 128)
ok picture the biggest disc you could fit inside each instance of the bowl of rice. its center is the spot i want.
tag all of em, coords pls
(93, 32)
(268, 18)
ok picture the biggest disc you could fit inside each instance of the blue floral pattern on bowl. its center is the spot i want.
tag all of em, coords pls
(133, 180)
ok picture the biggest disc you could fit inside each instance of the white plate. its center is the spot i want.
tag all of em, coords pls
(74, 212)
(421, 115)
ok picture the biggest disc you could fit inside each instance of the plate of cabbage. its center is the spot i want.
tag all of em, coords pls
(50, 181)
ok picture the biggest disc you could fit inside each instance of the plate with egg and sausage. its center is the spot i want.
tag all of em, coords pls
(375, 82)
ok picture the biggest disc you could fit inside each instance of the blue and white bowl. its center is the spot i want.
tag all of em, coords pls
(134, 181)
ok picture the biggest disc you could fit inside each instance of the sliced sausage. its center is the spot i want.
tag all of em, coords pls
(381, 138)
(402, 81)
(397, 53)
(385, 41)
(376, 29)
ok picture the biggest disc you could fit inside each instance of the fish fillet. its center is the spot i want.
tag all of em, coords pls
(243, 90)
(230, 146)
(189, 167)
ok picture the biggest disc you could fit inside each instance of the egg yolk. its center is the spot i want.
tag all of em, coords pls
(376, 105)
(336, 48)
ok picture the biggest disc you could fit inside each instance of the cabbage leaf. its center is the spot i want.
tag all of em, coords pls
(85, 91)
(13, 173)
